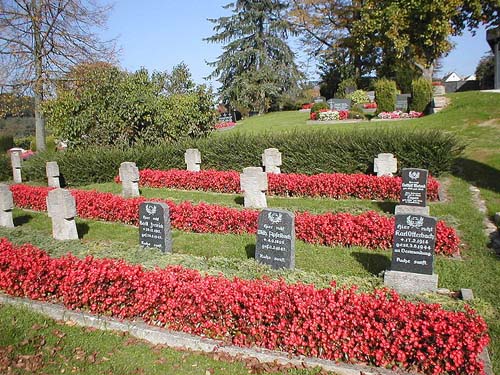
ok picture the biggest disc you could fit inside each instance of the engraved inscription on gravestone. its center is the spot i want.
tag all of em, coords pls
(339, 104)
(414, 242)
(154, 226)
(276, 239)
(414, 187)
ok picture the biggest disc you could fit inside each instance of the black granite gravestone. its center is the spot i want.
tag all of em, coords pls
(414, 242)
(414, 187)
(339, 104)
(154, 226)
(276, 239)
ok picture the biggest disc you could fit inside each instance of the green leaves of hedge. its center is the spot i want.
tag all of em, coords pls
(303, 152)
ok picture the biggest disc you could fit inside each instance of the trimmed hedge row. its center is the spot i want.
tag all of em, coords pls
(310, 152)
(370, 229)
(376, 328)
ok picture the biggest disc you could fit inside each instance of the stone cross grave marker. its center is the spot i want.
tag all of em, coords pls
(154, 226)
(192, 157)
(129, 175)
(61, 207)
(271, 160)
(52, 170)
(339, 104)
(413, 197)
(276, 239)
(402, 102)
(16, 161)
(6, 207)
(413, 255)
(385, 165)
(253, 183)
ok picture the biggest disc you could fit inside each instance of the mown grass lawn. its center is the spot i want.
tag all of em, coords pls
(475, 117)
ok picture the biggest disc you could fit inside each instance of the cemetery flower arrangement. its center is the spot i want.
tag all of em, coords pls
(372, 105)
(377, 328)
(333, 185)
(307, 106)
(369, 229)
(329, 115)
(225, 125)
(399, 114)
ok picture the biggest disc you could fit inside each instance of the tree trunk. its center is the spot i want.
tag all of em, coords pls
(38, 86)
(426, 71)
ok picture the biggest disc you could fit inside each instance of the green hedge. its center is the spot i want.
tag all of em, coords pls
(385, 95)
(303, 152)
(5, 168)
(421, 94)
(6, 142)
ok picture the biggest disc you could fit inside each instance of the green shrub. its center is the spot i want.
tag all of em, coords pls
(6, 142)
(359, 96)
(303, 152)
(385, 95)
(341, 90)
(317, 106)
(5, 168)
(421, 92)
(24, 142)
(356, 114)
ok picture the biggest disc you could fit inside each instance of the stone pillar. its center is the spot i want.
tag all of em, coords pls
(385, 165)
(61, 207)
(16, 160)
(493, 38)
(6, 207)
(129, 175)
(271, 160)
(52, 170)
(253, 183)
(192, 157)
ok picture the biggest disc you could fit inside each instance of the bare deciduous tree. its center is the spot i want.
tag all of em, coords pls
(42, 39)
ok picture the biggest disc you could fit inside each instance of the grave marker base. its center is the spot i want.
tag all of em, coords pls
(64, 229)
(6, 219)
(410, 283)
(402, 209)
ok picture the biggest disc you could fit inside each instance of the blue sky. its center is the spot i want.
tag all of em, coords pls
(158, 34)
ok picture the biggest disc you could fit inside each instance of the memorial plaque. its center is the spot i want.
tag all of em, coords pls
(414, 187)
(402, 102)
(319, 99)
(339, 104)
(154, 226)
(276, 239)
(226, 117)
(414, 242)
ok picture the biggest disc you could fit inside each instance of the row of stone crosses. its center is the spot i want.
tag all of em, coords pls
(414, 239)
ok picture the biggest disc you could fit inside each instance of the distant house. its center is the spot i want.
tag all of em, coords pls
(453, 82)
(452, 77)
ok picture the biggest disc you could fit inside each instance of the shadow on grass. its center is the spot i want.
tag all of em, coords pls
(82, 229)
(372, 262)
(22, 219)
(239, 200)
(250, 250)
(387, 207)
(478, 174)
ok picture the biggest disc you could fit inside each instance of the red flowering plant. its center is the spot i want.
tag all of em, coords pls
(370, 229)
(377, 328)
(371, 105)
(332, 185)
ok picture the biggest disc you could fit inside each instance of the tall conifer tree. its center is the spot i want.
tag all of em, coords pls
(256, 66)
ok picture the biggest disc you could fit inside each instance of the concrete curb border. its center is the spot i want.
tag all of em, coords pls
(179, 340)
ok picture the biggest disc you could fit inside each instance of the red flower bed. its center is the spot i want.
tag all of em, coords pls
(369, 229)
(336, 185)
(377, 328)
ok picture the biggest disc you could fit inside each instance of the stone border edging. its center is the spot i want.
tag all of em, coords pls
(180, 340)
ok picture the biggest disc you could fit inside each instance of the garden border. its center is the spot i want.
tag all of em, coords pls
(183, 341)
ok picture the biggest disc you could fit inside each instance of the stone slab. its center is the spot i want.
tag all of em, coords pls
(467, 294)
(253, 183)
(410, 283)
(271, 160)
(402, 209)
(192, 158)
